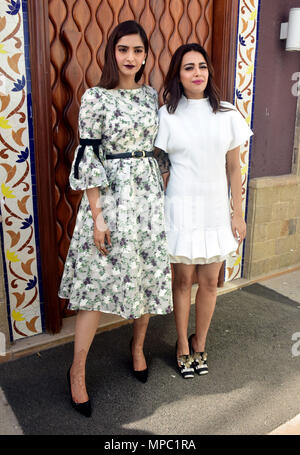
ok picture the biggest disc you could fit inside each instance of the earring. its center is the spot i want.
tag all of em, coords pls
(144, 62)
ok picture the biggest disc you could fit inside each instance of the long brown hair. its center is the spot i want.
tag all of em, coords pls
(174, 88)
(110, 74)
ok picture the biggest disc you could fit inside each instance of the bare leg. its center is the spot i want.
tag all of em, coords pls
(205, 302)
(87, 323)
(140, 326)
(182, 287)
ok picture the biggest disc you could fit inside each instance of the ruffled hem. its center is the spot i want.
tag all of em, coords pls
(158, 311)
(203, 245)
(200, 261)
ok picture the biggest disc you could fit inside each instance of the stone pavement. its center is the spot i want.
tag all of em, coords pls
(253, 385)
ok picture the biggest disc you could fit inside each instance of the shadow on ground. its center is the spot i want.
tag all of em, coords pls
(250, 389)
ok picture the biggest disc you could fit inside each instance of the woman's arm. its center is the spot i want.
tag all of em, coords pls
(233, 167)
(101, 230)
(165, 177)
(164, 164)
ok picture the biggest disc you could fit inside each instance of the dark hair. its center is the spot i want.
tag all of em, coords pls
(173, 86)
(110, 74)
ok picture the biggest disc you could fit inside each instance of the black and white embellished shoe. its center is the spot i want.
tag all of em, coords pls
(184, 365)
(199, 359)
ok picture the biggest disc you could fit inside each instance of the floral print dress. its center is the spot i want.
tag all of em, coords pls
(135, 277)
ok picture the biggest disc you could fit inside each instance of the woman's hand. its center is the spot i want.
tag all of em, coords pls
(238, 227)
(101, 234)
(165, 178)
(101, 231)
(233, 171)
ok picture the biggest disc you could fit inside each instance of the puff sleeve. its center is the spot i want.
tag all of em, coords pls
(239, 129)
(161, 142)
(88, 164)
(163, 133)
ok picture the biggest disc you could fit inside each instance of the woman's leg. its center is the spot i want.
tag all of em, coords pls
(182, 287)
(140, 326)
(87, 323)
(206, 297)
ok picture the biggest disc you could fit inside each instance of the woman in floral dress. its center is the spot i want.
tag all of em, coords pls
(118, 260)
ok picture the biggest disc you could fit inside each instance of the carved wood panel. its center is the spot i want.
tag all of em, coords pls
(78, 31)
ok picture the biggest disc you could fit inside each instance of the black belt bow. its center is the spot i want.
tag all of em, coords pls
(83, 143)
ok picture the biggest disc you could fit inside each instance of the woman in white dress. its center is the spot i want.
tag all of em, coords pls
(202, 137)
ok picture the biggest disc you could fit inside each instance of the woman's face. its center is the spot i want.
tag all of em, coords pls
(130, 54)
(194, 74)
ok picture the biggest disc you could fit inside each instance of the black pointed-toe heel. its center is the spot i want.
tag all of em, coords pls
(83, 408)
(141, 376)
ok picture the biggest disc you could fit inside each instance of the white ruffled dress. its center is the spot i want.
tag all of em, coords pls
(197, 201)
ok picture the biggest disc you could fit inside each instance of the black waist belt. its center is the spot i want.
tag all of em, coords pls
(129, 155)
(95, 144)
(83, 143)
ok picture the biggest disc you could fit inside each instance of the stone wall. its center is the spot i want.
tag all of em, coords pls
(273, 225)
(273, 218)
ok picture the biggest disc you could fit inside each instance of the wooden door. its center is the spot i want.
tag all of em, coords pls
(68, 39)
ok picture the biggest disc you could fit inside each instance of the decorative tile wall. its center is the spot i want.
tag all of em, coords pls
(247, 39)
(19, 224)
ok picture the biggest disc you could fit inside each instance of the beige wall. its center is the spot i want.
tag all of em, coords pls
(273, 220)
(273, 225)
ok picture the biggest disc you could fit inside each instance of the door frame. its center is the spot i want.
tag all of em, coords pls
(45, 178)
(225, 15)
(224, 43)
